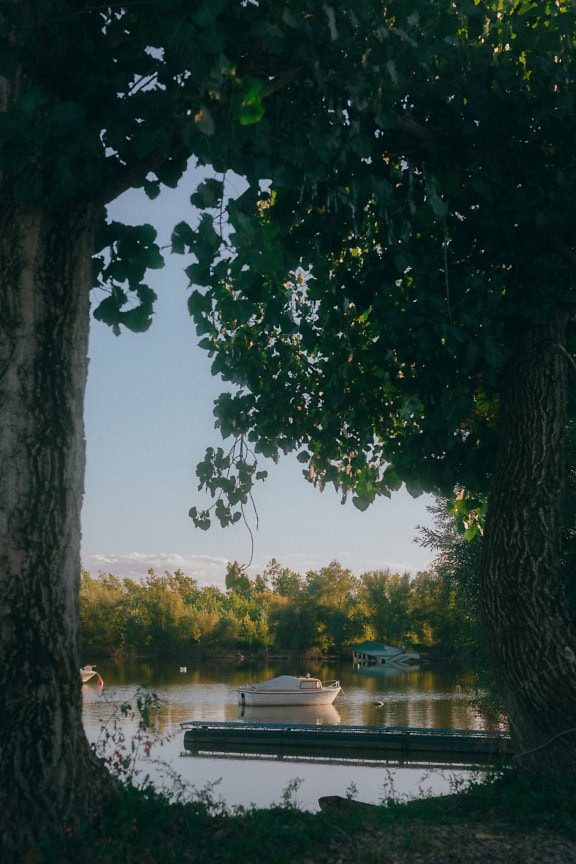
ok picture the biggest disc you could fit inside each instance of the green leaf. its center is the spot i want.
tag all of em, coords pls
(250, 108)
(208, 240)
(171, 171)
(208, 194)
(152, 188)
(201, 519)
(251, 113)
(183, 238)
(204, 121)
(138, 320)
(199, 274)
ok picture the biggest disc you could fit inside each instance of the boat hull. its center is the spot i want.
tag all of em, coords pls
(255, 697)
(289, 690)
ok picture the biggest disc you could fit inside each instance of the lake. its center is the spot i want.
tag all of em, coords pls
(422, 697)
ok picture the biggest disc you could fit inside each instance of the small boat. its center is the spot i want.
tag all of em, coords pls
(88, 672)
(289, 690)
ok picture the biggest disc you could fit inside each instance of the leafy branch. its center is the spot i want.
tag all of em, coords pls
(128, 252)
(229, 478)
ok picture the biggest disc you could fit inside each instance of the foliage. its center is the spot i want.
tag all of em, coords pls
(395, 304)
(148, 827)
(153, 85)
(457, 565)
(328, 609)
(422, 212)
(119, 754)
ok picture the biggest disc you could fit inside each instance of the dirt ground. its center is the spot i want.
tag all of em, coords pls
(494, 842)
(465, 844)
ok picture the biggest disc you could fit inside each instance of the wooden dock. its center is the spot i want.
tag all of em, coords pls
(372, 742)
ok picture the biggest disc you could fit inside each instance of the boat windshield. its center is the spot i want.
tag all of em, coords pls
(310, 684)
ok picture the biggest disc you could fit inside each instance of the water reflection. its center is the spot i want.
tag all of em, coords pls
(424, 697)
(308, 715)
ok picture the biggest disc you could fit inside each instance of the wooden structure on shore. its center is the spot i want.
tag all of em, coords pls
(371, 742)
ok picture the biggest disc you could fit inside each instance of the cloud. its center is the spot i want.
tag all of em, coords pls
(205, 569)
(211, 570)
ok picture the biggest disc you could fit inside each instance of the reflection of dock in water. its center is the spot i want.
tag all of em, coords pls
(371, 742)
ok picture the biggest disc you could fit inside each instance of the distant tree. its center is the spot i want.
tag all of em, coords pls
(186, 586)
(332, 592)
(429, 611)
(207, 628)
(102, 624)
(399, 591)
(375, 602)
(386, 599)
(165, 624)
(237, 580)
(457, 568)
(296, 626)
(284, 581)
(261, 584)
(331, 586)
(211, 600)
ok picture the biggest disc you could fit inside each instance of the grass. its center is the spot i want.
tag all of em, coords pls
(148, 828)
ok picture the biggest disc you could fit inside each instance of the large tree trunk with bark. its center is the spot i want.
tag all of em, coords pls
(48, 773)
(526, 618)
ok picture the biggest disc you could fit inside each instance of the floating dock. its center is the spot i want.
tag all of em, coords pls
(374, 742)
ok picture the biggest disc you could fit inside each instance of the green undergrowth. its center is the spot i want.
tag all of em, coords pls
(147, 828)
(523, 800)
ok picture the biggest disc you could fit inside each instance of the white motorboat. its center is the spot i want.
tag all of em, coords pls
(289, 690)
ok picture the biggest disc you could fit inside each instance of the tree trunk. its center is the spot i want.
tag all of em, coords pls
(528, 627)
(48, 773)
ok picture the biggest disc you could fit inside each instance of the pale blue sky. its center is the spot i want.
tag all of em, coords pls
(148, 422)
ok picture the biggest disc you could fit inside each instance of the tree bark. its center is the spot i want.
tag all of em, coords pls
(48, 773)
(528, 627)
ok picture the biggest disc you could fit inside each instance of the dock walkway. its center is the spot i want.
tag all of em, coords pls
(375, 742)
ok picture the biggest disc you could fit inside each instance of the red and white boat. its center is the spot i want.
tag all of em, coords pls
(87, 673)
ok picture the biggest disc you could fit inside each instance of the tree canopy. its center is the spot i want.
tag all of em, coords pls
(327, 610)
(394, 299)
(418, 219)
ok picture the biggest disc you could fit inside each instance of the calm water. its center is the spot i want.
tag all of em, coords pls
(424, 697)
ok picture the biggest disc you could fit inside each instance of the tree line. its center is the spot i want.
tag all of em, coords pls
(326, 609)
(436, 611)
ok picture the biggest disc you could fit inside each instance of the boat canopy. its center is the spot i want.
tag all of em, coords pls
(289, 682)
